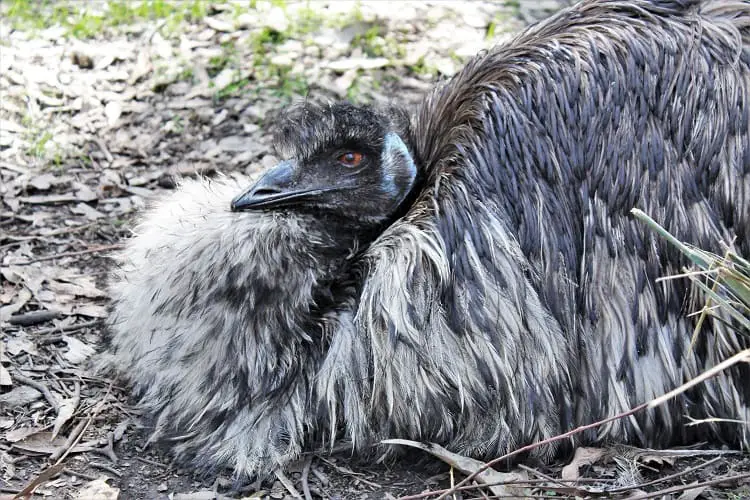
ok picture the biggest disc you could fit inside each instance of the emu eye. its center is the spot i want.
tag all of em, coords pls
(350, 159)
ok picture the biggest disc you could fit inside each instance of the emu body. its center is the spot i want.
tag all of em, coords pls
(501, 295)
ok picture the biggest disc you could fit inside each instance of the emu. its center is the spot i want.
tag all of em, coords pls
(466, 274)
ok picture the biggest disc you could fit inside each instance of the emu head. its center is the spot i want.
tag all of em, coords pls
(346, 162)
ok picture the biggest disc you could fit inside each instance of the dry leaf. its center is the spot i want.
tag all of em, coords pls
(82, 286)
(98, 490)
(30, 276)
(91, 310)
(112, 111)
(21, 433)
(196, 495)
(19, 343)
(64, 413)
(78, 351)
(42, 182)
(23, 296)
(90, 212)
(583, 456)
(19, 396)
(8, 465)
(42, 478)
(5, 378)
(469, 466)
(692, 493)
(84, 193)
(43, 443)
(656, 459)
(120, 430)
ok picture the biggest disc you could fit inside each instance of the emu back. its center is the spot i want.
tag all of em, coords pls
(508, 298)
(530, 304)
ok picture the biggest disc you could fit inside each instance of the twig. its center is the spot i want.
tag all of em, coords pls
(287, 484)
(107, 468)
(64, 329)
(737, 358)
(77, 434)
(683, 487)
(540, 483)
(683, 472)
(103, 148)
(39, 387)
(566, 489)
(742, 356)
(304, 478)
(33, 318)
(358, 475)
(69, 443)
(104, 248)
(70, 472)
(151, 462)
(109, 450)
(67, 230)
(42, 478)
(14, 168)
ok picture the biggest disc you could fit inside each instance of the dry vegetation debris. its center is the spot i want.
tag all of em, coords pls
(104, 105)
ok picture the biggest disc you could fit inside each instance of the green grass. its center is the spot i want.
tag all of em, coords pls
(38, 145)
(80, 20)
(421, 67)
(723, 279)
(291, 85)
(227, 59)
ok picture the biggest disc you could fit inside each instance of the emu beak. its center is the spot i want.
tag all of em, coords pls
(274, 190)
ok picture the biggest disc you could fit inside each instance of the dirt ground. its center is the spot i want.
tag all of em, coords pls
(102, 107)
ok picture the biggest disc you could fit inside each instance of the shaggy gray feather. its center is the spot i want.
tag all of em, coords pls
(512, 298)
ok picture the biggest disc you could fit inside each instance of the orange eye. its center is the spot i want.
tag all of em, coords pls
(350, 159)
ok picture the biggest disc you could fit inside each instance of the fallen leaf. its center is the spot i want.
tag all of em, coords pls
(692, 493)
(42, 182)
(583, 456)
(19, 396)
(8, 465)
(64, 413)
(98, 490)
(22, 298)
(657, 459)
(47, 199)
(78, 351)
(43, 443)
(219, 25)
(120, 430)
(469, 466)
(91, 311)
(42, 478)
(30, 276)
(6, 423)
(84, 193)
(196, 495)
(90, 212)
(112, 111)
(5, 378)
(20, 342)
(20, 433)
(82, 286)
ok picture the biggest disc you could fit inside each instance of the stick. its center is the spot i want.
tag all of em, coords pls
(39, 387)
(737, 358)
(105, 248)
(33, 318)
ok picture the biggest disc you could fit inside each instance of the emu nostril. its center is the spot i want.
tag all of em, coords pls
(265, 191)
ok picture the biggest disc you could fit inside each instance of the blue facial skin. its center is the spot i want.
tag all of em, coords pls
(394, 148)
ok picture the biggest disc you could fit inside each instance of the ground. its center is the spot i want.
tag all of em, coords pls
(103, 106)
